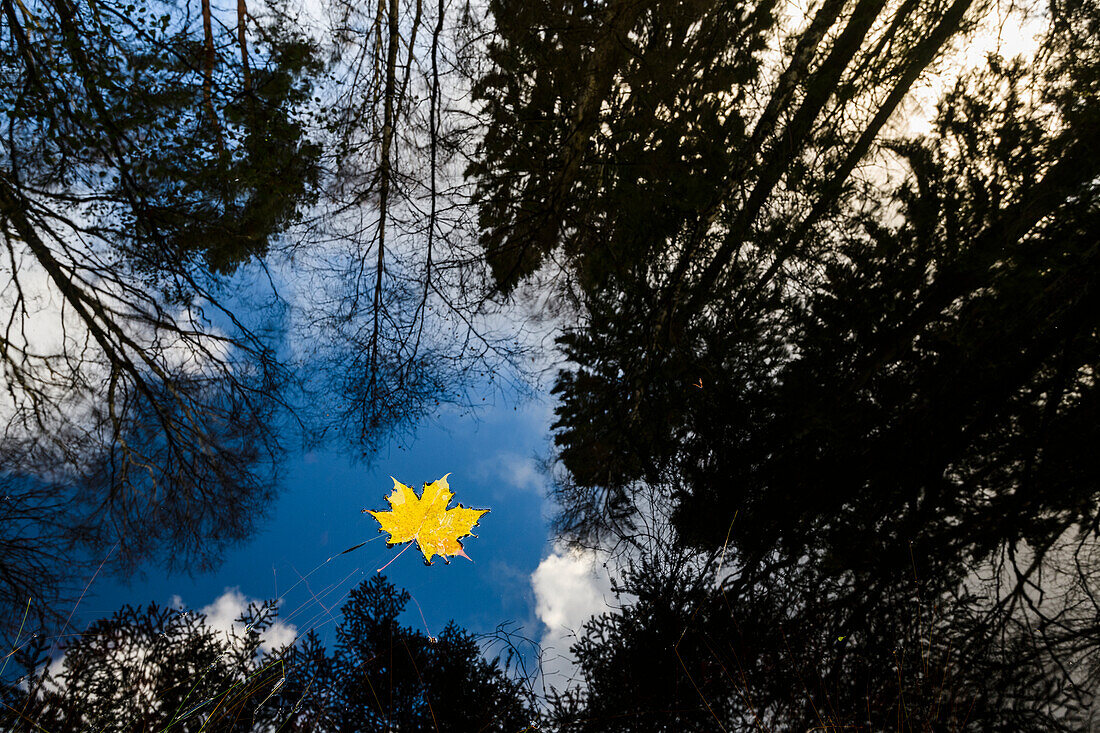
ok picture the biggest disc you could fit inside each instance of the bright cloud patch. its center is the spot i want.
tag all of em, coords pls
(224, 612)
(570, 587)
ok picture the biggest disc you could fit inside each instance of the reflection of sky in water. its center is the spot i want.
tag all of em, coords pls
(319, 515)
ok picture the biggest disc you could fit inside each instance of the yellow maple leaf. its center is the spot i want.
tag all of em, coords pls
(427, 519)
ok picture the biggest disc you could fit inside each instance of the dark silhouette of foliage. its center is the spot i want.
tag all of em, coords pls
(673, 250)
(872, 393)
(153, 669)
(888, 380)
(161, 669)
(385, 676)
(779, 652)
(549, 177)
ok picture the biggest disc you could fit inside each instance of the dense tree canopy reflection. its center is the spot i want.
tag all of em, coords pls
(871, 389)
(157, 668)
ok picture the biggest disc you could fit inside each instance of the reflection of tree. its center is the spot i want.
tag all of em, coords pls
(384, 676)
(151, 669)
(649, 148)
(397, 314)
(133, 391)
(146, 158)
(163, 669)
(780, 653)
(868, 387)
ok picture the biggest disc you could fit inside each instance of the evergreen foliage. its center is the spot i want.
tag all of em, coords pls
(875, 393)
(163, 669)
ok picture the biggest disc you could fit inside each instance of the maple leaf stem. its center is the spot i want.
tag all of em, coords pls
(396, 556)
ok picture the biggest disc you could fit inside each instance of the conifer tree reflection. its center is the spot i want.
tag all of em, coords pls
(875, 392)
(165, 669)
